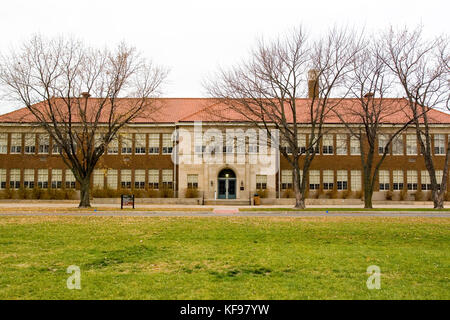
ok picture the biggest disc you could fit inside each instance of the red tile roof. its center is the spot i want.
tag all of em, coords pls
(172, 110)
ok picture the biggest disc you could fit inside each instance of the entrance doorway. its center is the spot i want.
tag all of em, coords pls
(226, 183)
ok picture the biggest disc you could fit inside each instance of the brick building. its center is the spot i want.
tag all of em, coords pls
(145, 156)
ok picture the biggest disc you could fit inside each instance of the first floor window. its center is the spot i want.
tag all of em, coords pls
(411, 176)
(2, 178)
(56, 178)
(314, 180)
(28, 178)
(111, 178)
(43, 178)
(14, 178)
(139, 179)
(192, 181)
(261, 182)
(153, 179)
(384, 180)
(397, 180)
(286, 179)
(342, 180)
(125, 179)
(425, 180)
(70, 179)
(356, 180)
(328, 179)
(99, 178)
(167, 178)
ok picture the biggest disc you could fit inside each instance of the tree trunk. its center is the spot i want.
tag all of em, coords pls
(299, 193)
(438, 199)
(368, 192)
(84, 194)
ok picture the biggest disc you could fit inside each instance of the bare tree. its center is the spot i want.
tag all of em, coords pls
(55, 78)
(265, 91)
(370, 112)
(422, 70)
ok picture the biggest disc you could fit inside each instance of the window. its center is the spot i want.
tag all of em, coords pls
(228, 144)
(411, 144)
(261, 182)
(439, 144)
(113, 146)
(411, 176)
(56, 178)
(384, 180)
(314, 180)
(253, 145)
(342, 180)
(14, 178)
(140, 143)
(327, 144)
(192, 181)
(328, 179)
(167, 178)
(285, 146)
(16, 143)
(30, 143)
(167, 144)
(139, 179)
(355, 147)
(98, 180)
(286, 179)
(382, 144)
(43, 178)
(153, 179)
(28, 178)
(355, 175)
(111, 179)
(425, 180)
(397, 145)
(125, 179)
(2, 178)
(3, 142)
(439, 174)
(341, 144)
(397, 180)
(127, 141)
(301, 140)
(153, 143)
(44, 143)
(70, 179)
(56, 149)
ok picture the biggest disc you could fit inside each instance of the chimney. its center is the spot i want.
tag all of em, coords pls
(85, 95)
(313, 83)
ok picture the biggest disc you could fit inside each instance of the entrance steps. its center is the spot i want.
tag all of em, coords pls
(227, 202)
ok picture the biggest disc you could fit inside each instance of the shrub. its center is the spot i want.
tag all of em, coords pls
(418, 195)
(403, 195)
(447, 196)
(429, 196)
(191, 193)
(288, 193)
(69, 194)
(389, 195)
(262, 193)
(139, 193)
(166, 193)
(152, 193)
(346, 194)
(8, 193)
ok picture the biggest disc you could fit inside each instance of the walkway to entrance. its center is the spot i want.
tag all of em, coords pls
(226, 183)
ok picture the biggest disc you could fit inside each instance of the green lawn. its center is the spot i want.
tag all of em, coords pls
(344, 209)
(224, 258)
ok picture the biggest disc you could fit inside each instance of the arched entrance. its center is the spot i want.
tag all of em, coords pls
(226, 183)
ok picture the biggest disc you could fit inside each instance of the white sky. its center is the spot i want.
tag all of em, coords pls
(193, 37)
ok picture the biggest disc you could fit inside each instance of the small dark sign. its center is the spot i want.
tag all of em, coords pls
(126, 200)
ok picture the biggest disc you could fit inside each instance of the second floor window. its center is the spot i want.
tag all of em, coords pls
(327, 144)
(397, 145)
(167, 143)
(439, 144)
(341, 144)
(382, 144)
(140, 143)
(30, 143)
(16, 143)
(44, 143)
(153, 143)
(126, 143)
(411, 144)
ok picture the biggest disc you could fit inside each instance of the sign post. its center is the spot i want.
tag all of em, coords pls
(126, 200)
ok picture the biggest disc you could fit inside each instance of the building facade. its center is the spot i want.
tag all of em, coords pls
(182, 150)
